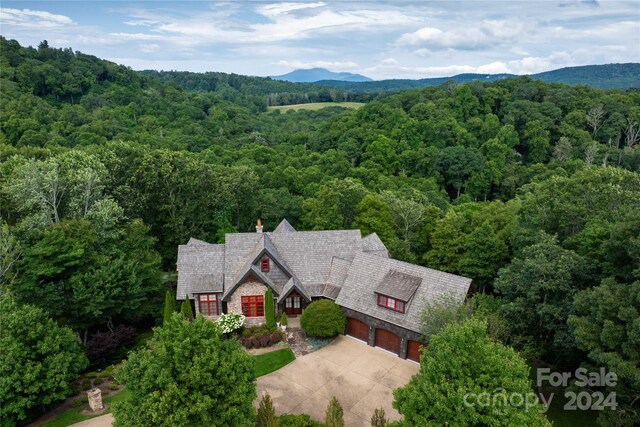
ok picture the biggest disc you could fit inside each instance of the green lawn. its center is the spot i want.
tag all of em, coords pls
(315, 106)
(269, 362)
(73, 416)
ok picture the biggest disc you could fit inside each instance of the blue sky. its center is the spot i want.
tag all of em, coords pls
(383, 39)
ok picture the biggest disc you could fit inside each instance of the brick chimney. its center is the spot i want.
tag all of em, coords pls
(259, 226)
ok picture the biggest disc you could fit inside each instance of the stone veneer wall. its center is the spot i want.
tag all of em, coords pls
(373, 323)
(246, 289)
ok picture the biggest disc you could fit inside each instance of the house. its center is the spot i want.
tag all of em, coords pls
(381, 297)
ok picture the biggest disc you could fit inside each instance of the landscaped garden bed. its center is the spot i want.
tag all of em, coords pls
(259, 337)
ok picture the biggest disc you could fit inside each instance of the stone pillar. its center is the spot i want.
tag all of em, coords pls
(95, 399)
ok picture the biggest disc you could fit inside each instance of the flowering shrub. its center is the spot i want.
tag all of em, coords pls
(230, 322)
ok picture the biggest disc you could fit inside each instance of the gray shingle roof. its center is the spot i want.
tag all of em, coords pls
(373, 245)
(398, 285)
(292, 284)
(200, 268)
(284, 227)
(252, 270)
(367, 271)
(309, 253)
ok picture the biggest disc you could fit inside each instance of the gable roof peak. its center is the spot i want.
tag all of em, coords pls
(284, 227)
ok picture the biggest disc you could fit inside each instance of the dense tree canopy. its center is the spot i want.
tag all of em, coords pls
(530, 189)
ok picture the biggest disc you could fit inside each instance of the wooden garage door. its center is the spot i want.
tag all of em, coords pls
(388, 340)
(413, 350)
(357, 329)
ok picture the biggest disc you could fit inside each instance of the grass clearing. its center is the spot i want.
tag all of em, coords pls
(272, 361)
(73, 416)
(315, 106)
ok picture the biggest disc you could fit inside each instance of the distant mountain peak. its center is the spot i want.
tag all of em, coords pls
(311, 75)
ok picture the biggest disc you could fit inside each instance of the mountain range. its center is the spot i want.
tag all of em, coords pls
(311, 75)
(607, 76)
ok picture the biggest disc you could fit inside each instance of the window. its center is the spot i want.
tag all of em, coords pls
(208, 304)
(264, 264)
(392, 303)
(296, 302)
(253, 305)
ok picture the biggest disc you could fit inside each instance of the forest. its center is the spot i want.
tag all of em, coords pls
(531, 189)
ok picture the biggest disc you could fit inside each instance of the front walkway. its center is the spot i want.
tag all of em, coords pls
(360, 376)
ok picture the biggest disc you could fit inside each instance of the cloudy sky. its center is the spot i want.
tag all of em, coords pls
(383, 39)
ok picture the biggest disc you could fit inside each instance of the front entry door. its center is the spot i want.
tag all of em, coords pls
(292, 305)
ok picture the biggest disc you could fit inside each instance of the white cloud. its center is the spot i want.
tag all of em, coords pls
(275, 9)
(463, 37)
(27, 18)
(423, 52)
(334, 66)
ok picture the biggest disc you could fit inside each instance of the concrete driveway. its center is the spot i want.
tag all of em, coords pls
(360, 376)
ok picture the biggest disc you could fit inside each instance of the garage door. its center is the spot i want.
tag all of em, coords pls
(357, 329)
(413, 350)
(388, 340)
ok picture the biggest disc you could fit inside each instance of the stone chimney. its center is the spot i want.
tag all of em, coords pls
(259, 226)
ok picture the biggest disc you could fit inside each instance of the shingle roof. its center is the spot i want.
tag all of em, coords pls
(367, 271)
(284, 227)
(309, 253)
(373, 245)
(200, 268)
(292, 284)
(252, 270)
(398, 285)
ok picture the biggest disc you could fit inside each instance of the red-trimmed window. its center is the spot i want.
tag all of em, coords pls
(264, 264)
(208, 304)
(253, 305)
(392, 303)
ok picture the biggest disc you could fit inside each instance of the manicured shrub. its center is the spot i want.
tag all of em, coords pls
(76, 403)
(113, 386)
(186, 309)
(334, 417)
(275, 338)
(169, 307)
(248, 343)
(269, 313)
(302, 420)
(91, 375)
(378, 419)
(323, 318)
(265, 341)
(230, 322)
(255, 342)
(284, 321)
(86, 384)
(266, 413)
(97, 381)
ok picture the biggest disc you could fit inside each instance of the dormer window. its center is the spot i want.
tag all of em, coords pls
(391, 303)
(264, 264)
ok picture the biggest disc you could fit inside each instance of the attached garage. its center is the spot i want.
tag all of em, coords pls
(413, 350)
(357, 329)
(388, 340)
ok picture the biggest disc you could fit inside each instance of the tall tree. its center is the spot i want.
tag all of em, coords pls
(169, 307)
(537, 291)
(39, 359)
(183, 364)
(443, 393)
